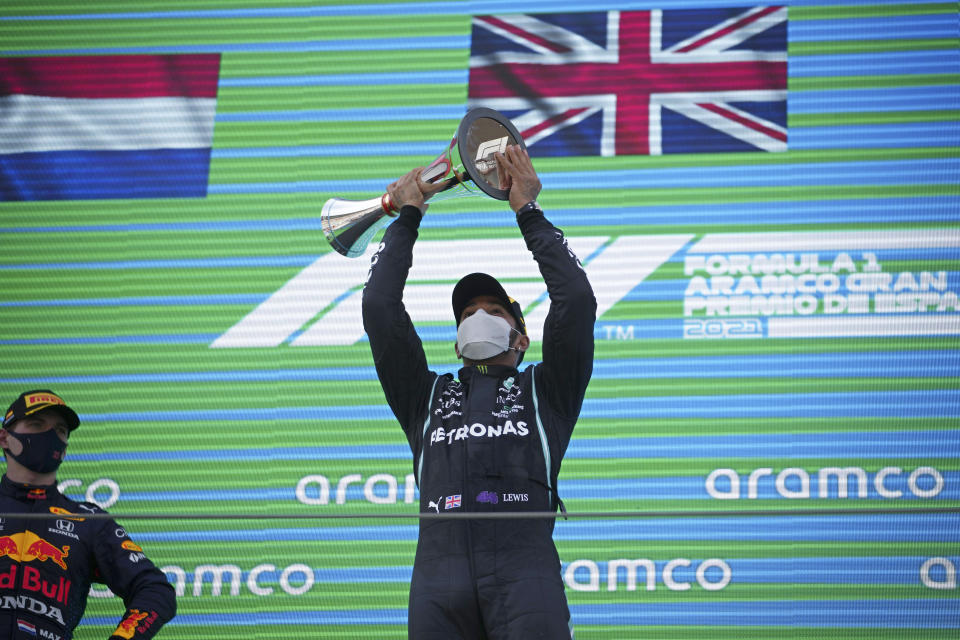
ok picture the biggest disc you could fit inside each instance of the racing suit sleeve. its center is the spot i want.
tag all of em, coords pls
(397, 351)
(148, 596)
(568, 329)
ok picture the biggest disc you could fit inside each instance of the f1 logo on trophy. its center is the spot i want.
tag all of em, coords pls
(467, 167)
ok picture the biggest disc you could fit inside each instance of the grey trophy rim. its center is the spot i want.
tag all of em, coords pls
(472, 116)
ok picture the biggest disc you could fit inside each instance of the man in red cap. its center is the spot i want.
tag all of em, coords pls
(47, 564)
(490, 441)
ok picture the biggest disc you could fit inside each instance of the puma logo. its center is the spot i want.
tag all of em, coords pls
(435, 505)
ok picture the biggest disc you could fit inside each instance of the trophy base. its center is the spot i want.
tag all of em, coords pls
(349, 225)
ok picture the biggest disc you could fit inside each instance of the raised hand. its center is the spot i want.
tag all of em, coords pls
(517, 174)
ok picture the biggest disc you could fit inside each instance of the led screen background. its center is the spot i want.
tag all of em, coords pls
(212, 342)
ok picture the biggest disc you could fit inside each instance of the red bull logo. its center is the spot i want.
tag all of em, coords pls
(43, 551)
(128, 626)
(34, 581)
(8, 547)
(28, 546)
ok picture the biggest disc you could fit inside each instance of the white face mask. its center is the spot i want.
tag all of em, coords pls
(483, 336)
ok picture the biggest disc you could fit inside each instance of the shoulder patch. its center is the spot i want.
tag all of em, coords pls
(60, 511)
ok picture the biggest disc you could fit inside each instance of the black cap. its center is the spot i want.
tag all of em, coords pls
(31, 402)
(482, 284)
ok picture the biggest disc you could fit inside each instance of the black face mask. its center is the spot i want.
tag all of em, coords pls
(42, 452)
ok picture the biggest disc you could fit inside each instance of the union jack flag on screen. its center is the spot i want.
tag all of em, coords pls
(636, 82)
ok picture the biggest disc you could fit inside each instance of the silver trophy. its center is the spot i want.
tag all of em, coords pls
(467, 167)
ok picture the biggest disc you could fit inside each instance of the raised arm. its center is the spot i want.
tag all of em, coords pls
(568, 329)
(397, 350)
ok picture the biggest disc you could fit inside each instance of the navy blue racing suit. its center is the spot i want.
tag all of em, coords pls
(47, 566)
(490, 441)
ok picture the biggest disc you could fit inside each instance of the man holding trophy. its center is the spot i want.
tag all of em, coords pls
(492, 440)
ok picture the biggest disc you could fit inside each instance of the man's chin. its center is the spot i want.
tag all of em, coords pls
(500, 358)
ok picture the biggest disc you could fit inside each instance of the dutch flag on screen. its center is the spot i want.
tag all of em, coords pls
(96, 127)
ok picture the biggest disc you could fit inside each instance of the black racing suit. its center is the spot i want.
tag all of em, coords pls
(47, 565)
(490, 442)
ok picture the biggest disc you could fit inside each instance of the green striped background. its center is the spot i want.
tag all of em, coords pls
(60, 342)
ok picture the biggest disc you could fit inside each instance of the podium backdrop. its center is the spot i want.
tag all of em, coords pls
(765, 199)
